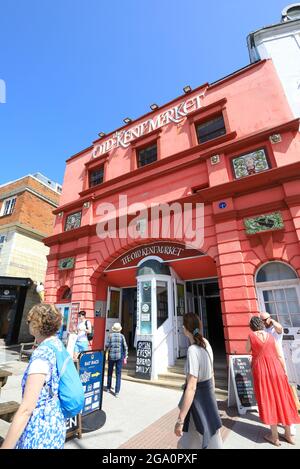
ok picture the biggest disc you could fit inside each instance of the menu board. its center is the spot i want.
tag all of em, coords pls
(143, 359)
(241, 387)
(91, 372)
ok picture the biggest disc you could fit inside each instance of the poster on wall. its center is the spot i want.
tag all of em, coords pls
(64, 330)
(145, 308)
(72, 338)
(75, 308)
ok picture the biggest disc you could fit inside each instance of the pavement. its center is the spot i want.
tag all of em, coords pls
(144, 416)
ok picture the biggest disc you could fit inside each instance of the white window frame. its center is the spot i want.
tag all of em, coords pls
(11, 206)
(276, 285)
(3, 238)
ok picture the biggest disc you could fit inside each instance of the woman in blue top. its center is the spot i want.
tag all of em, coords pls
(39, 422)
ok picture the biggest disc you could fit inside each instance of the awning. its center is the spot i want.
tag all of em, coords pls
(15, 282)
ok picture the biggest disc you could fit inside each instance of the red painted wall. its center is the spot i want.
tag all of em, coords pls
(255, 108)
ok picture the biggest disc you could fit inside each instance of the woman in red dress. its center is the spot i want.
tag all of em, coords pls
(273, 394)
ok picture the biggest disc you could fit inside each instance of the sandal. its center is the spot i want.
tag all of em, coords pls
(288, 440)
(269, 440)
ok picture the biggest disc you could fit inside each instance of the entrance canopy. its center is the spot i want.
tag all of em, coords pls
(187, 262)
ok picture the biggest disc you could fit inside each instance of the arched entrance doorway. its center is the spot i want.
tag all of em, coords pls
(151, 287)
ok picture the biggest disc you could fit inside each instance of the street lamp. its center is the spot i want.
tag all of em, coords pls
(187, 89)
(127, 120)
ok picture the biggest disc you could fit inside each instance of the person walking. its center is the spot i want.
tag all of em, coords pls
(39, 422)
(273, 394)
(198, 424)
(84, 328)
(117, 354)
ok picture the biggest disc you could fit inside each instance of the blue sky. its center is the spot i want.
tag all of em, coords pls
(73, 68)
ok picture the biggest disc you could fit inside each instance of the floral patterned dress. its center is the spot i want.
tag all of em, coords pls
(46, 426)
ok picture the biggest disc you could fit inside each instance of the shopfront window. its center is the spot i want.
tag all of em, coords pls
(162, 302)
(180, 299)
(115, 298)
(279, 293)
(2, 241)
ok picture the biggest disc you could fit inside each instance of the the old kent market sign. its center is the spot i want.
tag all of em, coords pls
(166, 251)
(174, 115)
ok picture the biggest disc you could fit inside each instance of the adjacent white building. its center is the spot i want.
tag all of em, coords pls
(281, 43)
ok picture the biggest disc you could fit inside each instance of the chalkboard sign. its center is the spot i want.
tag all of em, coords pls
(143, 359)
(240, 383)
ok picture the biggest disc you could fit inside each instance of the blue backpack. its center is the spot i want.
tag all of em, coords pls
(70, 389)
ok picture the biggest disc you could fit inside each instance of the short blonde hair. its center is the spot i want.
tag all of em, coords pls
(45, 318)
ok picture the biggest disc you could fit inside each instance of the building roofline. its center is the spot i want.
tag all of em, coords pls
(276, 25)
(33, 177)
(205, 85)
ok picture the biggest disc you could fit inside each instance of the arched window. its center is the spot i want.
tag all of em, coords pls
(278, 291)
(152, 267)
(67, 294)
(64, 294)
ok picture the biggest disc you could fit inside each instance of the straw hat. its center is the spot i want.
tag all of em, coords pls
(116, 327)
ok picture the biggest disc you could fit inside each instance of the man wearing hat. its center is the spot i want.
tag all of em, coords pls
(273, 327)
(117, 353)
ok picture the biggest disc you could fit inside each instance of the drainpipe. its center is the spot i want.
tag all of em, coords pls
(252, 49)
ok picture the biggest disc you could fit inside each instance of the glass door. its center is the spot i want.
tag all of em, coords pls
(114, 309)
(181, 341)
(65, 310)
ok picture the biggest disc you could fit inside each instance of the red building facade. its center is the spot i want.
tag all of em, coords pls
(232, 146)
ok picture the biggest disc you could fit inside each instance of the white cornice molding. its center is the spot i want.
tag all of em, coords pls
(277, 30)
(21, 189)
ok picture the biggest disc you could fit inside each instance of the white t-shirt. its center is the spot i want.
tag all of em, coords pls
(199, 362)
(278, 337)
(40, 366)
(81, 329)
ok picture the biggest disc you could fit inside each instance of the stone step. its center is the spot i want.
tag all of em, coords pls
(218, 365)
(221, 373)
(220, 393)
(169, 381)
(180, 377)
